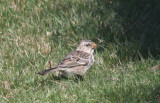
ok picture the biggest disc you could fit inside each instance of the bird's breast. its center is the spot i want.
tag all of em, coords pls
(91, 61)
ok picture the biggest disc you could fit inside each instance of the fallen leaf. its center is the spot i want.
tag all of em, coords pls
(7, 85)
(156, 67)
(49, 33)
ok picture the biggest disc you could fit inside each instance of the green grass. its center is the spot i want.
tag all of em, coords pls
(35, 32)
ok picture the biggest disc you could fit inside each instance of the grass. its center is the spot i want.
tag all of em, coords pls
(35, 32)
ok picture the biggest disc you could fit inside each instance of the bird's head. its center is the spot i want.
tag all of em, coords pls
(87, 46)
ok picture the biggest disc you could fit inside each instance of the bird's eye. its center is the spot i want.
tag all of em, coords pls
(88, 44)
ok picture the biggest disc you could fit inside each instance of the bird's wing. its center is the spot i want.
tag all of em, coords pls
(75, 58)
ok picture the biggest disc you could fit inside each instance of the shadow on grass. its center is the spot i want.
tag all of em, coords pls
(154, 95)
(134, 29)
(49, 80)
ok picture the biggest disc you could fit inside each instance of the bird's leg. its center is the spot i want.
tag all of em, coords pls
(79, 77)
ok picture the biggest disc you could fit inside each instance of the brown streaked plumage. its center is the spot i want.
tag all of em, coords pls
(76, 62)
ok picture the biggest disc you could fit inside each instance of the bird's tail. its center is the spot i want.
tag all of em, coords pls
(47, 71)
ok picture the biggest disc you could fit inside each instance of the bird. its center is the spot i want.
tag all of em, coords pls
(76, 62)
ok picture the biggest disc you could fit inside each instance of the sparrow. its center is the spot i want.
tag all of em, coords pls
(76, 62)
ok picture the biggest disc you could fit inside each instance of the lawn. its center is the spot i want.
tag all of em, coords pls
(127, 60)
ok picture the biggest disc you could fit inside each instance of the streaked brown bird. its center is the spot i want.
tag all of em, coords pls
(77, 62)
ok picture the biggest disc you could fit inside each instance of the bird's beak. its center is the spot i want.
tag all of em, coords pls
(93, 45)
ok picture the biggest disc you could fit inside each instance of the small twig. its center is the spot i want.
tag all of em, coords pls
(50, 65)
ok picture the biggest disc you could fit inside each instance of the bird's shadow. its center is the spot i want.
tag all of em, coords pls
(62, 77)
(50, 79)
